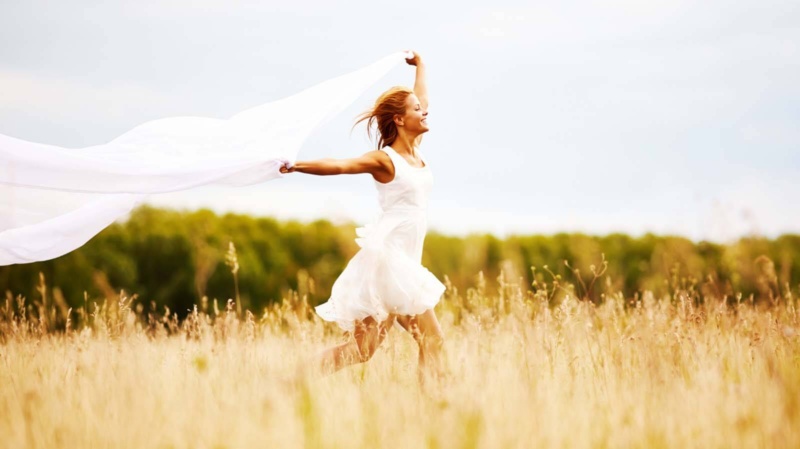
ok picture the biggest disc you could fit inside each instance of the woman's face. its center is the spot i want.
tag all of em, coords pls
(415, 120)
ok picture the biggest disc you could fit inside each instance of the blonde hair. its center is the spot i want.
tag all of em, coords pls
(390, 103)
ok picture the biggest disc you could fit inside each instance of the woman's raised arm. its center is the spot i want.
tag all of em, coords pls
(420, 84)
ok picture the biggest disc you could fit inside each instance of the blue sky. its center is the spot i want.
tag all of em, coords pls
(673, 117)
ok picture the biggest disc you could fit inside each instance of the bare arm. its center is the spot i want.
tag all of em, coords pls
(420, 84)
(376, 163)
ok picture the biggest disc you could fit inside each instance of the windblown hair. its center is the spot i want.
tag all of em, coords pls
(390, 103)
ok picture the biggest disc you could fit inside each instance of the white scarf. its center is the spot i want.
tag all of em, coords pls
(165, 155)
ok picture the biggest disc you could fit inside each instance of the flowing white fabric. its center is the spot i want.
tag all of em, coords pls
(53, 199)
(386, 275)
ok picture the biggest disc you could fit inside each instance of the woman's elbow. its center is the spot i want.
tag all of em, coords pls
(330, 168)
(337, 169)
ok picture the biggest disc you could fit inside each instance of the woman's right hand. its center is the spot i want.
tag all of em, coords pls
(287, 167)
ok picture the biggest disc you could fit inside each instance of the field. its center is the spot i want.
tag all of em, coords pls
(526, 367)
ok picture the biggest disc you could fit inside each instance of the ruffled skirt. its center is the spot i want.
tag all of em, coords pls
(386, 275)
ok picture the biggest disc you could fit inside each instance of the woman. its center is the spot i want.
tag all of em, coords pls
(385, 283)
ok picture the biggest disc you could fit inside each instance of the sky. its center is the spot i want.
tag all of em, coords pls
(672, 117)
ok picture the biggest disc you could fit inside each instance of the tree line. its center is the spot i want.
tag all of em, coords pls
(175, 258)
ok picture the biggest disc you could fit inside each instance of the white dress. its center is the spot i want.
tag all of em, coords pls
(386, 275)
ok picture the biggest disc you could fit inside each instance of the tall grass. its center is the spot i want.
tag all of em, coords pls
(527, 366)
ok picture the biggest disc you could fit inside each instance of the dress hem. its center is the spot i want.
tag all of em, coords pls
(327, 312)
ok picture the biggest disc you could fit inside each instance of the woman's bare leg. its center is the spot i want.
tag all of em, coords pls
(367, 336)
(427, 331)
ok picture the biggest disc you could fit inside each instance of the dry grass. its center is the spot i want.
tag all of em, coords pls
(523, 371)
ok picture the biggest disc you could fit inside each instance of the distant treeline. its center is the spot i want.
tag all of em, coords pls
(174, 259)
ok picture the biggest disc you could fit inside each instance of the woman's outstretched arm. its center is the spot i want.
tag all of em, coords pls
(420, 84)
(376, 163)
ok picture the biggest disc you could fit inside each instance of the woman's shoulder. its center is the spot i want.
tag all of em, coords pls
(382, 157)
(381, 154)
(389, 152)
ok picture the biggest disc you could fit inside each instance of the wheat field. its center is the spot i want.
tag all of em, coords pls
(525, 368)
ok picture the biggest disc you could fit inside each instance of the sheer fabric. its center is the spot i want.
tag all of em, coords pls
(53, 199)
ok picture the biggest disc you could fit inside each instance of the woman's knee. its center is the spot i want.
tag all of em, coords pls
(432, 338)
(369, 335)
(364, 353)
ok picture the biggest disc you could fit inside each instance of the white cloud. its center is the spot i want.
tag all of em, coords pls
(62, 100)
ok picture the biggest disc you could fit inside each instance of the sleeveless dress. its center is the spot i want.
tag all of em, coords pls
(386, 275)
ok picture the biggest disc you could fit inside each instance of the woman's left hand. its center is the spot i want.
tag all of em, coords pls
(415, 60)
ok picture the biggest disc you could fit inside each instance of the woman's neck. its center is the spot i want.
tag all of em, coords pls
(404, 144)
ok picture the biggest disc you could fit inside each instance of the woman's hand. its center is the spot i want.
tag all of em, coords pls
(287, 167)
(415, 60)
